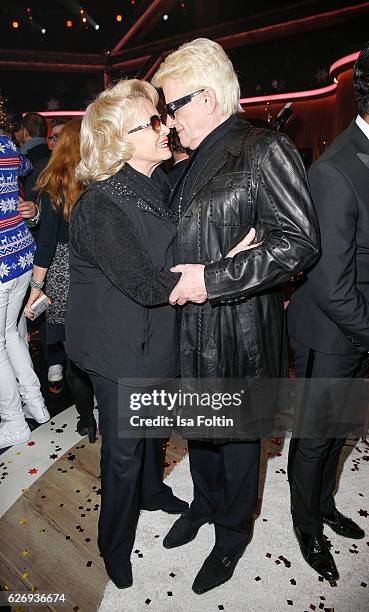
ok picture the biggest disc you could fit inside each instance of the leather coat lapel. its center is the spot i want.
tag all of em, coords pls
(209, 169)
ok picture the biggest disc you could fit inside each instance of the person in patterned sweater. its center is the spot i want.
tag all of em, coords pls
(18, 380)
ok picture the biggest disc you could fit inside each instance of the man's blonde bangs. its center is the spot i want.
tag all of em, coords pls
(199, 64)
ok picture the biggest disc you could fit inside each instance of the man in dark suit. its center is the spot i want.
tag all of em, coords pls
(328, 322)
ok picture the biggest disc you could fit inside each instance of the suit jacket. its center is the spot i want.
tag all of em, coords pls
(330, 311)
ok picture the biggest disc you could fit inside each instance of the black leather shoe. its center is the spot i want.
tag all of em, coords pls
(169, 504)
(343, 525)
(217, 568)
(184, 530)
(87, 426)
(316, 553)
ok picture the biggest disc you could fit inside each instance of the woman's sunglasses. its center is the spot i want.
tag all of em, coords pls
(154, 123)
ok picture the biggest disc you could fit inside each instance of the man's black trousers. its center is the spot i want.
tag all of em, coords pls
(313, 462)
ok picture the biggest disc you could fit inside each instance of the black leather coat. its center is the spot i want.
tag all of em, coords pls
(254, 178)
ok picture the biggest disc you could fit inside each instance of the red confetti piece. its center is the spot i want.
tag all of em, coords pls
(31, 443)
(32, 471)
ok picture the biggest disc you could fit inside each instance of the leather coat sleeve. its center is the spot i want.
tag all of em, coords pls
(333, 279)
(286, 226)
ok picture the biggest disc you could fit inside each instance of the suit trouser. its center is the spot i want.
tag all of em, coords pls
(225, 479)
(313, 462)
(131, 472)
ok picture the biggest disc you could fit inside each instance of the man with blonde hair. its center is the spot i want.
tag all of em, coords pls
(238, 178)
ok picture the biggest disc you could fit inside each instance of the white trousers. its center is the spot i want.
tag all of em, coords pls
(18, 379)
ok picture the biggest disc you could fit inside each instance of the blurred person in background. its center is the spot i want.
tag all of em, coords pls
(58, 190)
(56, 128)
(18, 382)
(34, 145)
(180, 157)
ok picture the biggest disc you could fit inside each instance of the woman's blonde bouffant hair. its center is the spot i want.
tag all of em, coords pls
(199, 64)
(104, 146)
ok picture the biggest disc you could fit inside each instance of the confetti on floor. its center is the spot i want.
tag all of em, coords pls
(272, 575)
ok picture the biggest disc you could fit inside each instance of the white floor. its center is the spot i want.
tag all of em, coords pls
(271, 576)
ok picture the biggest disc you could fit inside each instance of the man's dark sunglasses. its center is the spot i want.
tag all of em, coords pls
(172, 107)
(154, 123)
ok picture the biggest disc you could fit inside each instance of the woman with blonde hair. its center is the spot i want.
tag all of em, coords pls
(58, 190)
(119, 322)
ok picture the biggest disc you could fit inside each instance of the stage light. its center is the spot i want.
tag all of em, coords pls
(43, 30)
(84, 19)
(69, 23)
(97, 27)
(119, 17)
(28, 10)
(15, 24)
(165, 17)
(81, 11)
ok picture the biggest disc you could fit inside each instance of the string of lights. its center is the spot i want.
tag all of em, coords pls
(80, 18)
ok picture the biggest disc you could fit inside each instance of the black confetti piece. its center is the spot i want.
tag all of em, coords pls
(257, 578)
(293, 582)
(147, 601)
(169, 593)
(290, 602)
(89, 563)
(220, 607)
(363, 584)
(171, 574)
